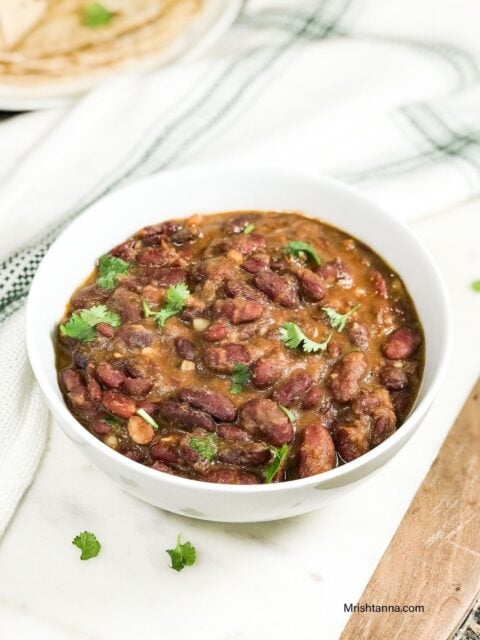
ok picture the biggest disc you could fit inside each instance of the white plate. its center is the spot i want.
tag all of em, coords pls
(214, 19)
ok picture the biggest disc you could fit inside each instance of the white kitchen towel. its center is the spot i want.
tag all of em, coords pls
(384, 95)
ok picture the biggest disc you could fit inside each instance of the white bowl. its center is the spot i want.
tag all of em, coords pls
(206, 190)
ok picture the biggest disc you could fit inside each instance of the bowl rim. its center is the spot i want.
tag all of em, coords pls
(58, 407)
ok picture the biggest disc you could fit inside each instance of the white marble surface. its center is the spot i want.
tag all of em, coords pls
(273, 580)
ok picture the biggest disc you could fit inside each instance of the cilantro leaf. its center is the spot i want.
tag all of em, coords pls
(293, 337)
(148, 418)
(338, 321)
(96, 15)
(88, 544)
(248, 229)
(205, 447)
(182, 555)
(109, 267)
(80, 325)
(296, 247)
(99, 313)
(476, 285)
(290, 415)
(240, 377)
(278, 457)
(78, 329)
(176, 298)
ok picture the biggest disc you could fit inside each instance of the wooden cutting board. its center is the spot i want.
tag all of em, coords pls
(434, 556)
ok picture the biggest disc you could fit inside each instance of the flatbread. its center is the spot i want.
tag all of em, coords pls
(17, 17)
(62, 30)
(129, 36)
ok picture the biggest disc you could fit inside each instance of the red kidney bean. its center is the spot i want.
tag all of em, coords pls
(401, 344)
(352, 440)
(251, 454)
(165, 276)
(238, 310)
(358, 335)
(268, 370)
(316, 398)
(262, 416)
(346, 376)
(185, 416)
(215, 332)
(80, 360)
(76, 390)
(185, 348)
(217, 269)
(105, 330)
(224, 358)
(127, 303)
(401, 402)
(118, 404)
(109, 376)
(246, 244)
(100, 427)
(317, 451)
(312, 285)
(379, 284)
(279, 289)
(135, 455)
(93, 388)
(292, 388)
(137, 387)
(157, 256)
(135, 336)
(88, 297)
(230, 476)
(335, 271)
(161, 229)
(210, 401)
(125, 251)
(384, 424)
(231, 433)
(164, 468)
(70, 379)
(164, 451)
(393, 378)
(256, 263)
(366, 402)
(238, 288)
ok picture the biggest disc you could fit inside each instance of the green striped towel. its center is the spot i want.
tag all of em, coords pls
(384, 95)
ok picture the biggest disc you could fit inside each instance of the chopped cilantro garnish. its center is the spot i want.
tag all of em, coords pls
(240, 378)
(293, 337)
(278, 456)
(183, 555)
(296, 247)
(88, 544)
(338, 321)
(80, 325)
(96, 15)
(109, 267)
(248, 229)
(206, 447)
(290, 415)
(176, 298)
(147, 417)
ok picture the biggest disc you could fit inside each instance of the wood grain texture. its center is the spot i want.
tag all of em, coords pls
(434, 556)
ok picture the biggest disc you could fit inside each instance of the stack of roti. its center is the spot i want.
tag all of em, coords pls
(55, 39)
